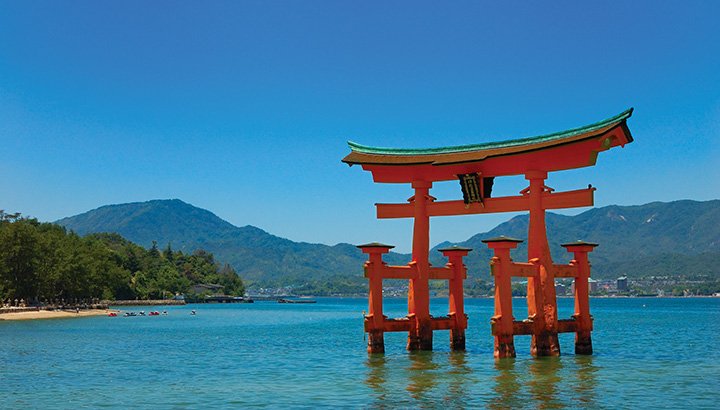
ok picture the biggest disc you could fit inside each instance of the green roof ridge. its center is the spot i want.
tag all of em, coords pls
(490, 145)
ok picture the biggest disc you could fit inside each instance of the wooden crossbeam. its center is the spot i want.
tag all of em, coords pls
(395, 272)
(526, 270)
(442, 323)
(441, 273)
(408, 272)
(527, 327)
(529, 270)
(404, 325)
(550, 200)
(565, 271)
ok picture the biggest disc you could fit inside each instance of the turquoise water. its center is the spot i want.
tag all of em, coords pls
(650, 353)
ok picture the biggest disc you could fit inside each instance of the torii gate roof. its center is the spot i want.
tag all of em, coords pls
(569, 149)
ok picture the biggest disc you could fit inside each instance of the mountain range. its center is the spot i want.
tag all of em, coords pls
(655, 239)
(675, 238)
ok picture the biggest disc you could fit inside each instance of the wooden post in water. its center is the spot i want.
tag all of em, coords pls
(502, 320)
(374, 320)
(420, 336)
(456, 301)
(542, 303)
(580, 250)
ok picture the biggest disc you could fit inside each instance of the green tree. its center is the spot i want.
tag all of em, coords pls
(42, 261)
(168, 254)
(20, 258)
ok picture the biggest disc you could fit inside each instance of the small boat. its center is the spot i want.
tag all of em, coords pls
(154, 313)
(192, 313)
(112, 314)
(297, 301)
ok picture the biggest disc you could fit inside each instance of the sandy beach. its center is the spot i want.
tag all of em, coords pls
(54, 314)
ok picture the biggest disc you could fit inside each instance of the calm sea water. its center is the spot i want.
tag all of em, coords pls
(650, 353)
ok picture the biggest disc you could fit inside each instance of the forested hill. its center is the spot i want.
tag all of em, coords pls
(164, 221)
(42, 262)
(681, 237)
(255, 254)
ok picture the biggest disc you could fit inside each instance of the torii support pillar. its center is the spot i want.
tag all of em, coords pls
(502, 320)
(456, 300)
(583, 320)
(375, 318)
(375, 322)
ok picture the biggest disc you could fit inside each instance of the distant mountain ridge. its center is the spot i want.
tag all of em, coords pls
(255, 254)
(165, 221)
(660, 238)
(656, 238)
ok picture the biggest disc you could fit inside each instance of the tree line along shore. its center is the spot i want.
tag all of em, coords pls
(42, 264)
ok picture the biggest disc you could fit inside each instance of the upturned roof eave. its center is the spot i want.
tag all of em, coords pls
(361, 154)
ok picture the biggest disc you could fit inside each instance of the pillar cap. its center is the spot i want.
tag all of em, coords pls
(579, 243)
(502, 238)
(455, 248)
(375, 245)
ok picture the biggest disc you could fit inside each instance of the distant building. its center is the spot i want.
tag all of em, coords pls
(560, 289)
(607, 285)
(592, 285)
(622, 284)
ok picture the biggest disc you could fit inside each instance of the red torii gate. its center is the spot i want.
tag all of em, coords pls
(476, 166)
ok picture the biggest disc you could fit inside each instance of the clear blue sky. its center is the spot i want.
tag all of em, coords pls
(244, 108)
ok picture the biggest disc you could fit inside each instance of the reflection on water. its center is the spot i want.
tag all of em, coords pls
(586, 382)
(377, 375)
(460, 374)
(426, 378)
(507, 386)
(422, 375)
(422, 379)
(545, 376)
(545, 383)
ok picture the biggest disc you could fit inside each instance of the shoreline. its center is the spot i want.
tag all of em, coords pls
(147, 302)
(53, 314)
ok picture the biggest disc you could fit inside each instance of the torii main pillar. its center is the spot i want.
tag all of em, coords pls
(421, 336)
(542, 303)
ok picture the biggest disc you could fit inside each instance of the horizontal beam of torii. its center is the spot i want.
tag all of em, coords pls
(550, 200)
